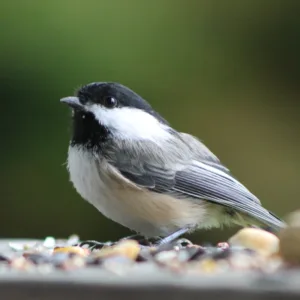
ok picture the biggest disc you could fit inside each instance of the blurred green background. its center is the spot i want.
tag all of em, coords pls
(226, 71)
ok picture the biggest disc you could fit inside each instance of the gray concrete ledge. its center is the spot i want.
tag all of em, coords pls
(97, 284)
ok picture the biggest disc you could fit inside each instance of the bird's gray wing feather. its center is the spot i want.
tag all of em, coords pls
(189, 177)
(201, 152)
(200, 181)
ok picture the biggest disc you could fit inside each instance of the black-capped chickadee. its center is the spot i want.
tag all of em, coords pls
(127, 161)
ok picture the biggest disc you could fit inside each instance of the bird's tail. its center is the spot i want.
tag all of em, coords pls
(279, 224)
(272, 223)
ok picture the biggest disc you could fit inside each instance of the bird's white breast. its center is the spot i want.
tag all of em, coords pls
(149, 213)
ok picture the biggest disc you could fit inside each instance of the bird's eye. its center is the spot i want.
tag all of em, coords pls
(110, 102)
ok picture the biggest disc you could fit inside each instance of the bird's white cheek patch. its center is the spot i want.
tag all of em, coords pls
(130, 123)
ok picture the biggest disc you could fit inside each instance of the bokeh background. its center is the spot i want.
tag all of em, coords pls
(226, 71)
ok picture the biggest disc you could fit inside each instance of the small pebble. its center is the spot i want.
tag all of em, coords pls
(128, 248)
(72, 249)
(93, 261)
(221, 254)
(289, 238)
(208, 266)
(242, 261)
(183, 255)
(74, 262)
(183, 243)
(37, 258)
(166, 256)
(59, 259)
(18, 247)
(49, 242)
(117, 260)
(3, 258)
(196, 252)
(293, 219)
(73, 240)
(223, 245)
(144, 255)
(256, 239)
(21, 263)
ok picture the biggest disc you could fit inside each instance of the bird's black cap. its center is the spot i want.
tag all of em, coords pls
(89, 132)
(98, 92)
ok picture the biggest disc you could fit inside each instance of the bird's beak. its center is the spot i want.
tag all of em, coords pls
(73, 102)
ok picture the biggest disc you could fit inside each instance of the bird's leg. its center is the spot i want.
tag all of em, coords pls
(173, 236)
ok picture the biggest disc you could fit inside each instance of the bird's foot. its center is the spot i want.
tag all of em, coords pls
(143, 241)
(173, 236)
(94, 245)
(158, 241)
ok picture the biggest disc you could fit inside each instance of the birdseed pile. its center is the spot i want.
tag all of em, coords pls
(249, 249)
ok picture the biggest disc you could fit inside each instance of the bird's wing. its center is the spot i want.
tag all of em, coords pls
(205, 182)
(194, 178)
(201, 152)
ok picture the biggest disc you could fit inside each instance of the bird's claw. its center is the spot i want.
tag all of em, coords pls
(94, 245)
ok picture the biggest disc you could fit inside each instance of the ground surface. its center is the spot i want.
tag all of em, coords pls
(143, 281)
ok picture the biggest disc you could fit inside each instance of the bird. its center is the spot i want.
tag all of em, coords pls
(126, 160)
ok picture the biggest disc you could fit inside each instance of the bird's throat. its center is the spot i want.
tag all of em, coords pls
(87, 131)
